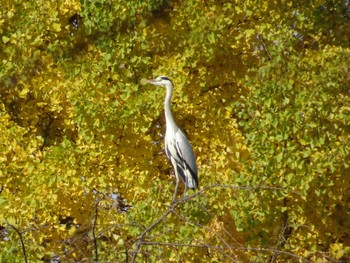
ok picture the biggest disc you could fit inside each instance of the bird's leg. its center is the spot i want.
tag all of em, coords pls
(185, 189)
(177, 185)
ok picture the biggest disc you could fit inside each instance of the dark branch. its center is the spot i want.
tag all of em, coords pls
(22, 243)
(264, 46)
(140, 239)
(270, 250)
(94, 224)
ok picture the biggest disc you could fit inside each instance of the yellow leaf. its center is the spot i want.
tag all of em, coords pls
(56, 27)
(72, 230)
(5, 39)
(23, 92)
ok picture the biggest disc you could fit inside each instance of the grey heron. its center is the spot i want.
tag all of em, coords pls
(177, 148)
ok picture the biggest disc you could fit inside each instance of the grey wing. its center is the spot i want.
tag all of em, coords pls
(185, 151)
(167, 151)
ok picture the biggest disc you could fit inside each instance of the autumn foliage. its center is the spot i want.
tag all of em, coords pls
(262, 89)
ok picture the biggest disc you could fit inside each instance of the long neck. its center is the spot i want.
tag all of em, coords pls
(167, 109)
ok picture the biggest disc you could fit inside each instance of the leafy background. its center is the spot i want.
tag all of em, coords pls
(261, 89)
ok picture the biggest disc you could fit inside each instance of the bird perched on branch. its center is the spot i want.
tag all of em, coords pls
(177, 148)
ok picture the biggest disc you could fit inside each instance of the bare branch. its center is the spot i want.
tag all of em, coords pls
(237, 187)
(201, 226)
(139, 239)
(94, 224)
(22, 242)
(286, 232)
(264, 46)
(270, 250)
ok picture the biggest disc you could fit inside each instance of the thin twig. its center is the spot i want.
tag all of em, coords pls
(139, 239)
(221, 250)
(94, 224)
(231, 247)
(237, 187)
(286, 232)
(204, 227)
(264, 46)
(22, 243)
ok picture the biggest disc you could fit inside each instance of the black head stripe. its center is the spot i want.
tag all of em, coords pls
(165, 78)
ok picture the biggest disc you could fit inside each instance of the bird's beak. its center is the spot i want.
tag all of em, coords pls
(152, 81)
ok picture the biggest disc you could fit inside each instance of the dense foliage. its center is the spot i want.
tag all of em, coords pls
(262, 88)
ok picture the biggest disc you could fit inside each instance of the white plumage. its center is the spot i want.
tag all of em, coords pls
(177, 148)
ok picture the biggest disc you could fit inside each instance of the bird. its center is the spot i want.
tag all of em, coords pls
(177, 147)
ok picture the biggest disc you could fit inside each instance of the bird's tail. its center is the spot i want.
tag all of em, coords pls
(188, 177)
(190, 181)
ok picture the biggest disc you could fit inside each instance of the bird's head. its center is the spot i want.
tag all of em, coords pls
(161, 81)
